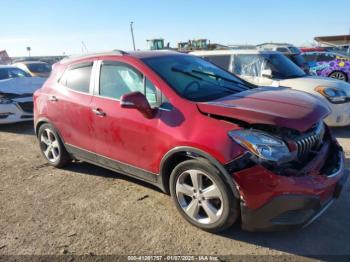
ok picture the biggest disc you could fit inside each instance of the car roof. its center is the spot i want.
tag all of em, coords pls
(322, 52)
(31, 62)
(136, 54)
(276, 44)
(8, 66)
(233, 52)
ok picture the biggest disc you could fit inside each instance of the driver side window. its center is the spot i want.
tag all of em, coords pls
(117, 79)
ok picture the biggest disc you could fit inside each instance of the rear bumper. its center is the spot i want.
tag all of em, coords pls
(288, 211)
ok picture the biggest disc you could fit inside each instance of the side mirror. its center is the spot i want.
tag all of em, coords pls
(266, 73)
(138, 101)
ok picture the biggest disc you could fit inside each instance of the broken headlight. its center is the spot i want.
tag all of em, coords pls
(263, 145)
(5, 101)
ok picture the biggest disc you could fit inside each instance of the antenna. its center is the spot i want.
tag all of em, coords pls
(132, 34)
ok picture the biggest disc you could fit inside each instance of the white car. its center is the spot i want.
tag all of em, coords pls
(270, 68)
(16, 94)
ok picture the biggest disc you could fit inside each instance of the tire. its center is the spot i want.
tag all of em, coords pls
(339, 75)
(51, 146)
(211, 205)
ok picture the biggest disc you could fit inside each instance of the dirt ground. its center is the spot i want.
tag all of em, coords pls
(85, 209)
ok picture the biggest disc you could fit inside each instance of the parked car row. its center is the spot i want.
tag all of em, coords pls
(328, 64)
(17, 85)
(226, 149)
(270, 68)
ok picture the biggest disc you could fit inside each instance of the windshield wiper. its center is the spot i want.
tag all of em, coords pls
(174, 69)
(243, 83)
(217, 76)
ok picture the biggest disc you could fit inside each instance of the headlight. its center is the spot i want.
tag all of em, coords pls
(334, 95)
(4, 100)
(262, 145)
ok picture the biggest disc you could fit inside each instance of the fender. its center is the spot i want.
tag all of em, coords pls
(195, 152)
(46, 120)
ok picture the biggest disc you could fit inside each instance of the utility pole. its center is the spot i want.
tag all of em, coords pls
(84, 47)
(28, 49)
(132, 35)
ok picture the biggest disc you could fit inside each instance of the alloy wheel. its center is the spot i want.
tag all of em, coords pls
(199, 196)
(50, 145)
(338, 75)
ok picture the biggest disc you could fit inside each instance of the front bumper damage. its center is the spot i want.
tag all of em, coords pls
(20, 110)
(272, 202)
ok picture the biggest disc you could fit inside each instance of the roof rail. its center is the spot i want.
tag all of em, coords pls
(77, 57)
(119, 51)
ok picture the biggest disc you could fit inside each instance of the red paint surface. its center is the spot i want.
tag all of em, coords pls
(127, 136)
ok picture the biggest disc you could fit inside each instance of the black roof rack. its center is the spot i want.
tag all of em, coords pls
(77, 57)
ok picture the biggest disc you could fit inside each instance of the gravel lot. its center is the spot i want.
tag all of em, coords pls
(86, 209)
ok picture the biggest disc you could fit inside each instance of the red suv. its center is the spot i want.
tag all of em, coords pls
(222, 148)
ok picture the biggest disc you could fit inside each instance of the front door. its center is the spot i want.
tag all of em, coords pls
(124, 139)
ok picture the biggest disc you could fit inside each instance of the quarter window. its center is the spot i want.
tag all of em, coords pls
(117, 79)
(78, 78)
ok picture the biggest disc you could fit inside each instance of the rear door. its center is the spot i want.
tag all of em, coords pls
(69, 106)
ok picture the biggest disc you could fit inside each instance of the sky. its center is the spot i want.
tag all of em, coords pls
(60, 27)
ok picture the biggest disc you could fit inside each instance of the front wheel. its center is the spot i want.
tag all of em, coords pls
(202, 196)
(338, 75)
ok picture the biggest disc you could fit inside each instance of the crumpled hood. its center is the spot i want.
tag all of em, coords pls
(309, 83)
(21, 85)
(281, 107)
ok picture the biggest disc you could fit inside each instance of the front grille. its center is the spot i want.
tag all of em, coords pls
(310, 141)
(26, 107)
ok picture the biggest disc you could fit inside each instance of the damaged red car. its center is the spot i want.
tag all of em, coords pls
(225, 150)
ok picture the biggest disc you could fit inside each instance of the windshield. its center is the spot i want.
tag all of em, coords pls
(194, 78)
(39, 68)
(254, 65)
(294, 50)
(12, 72)
(298, 59)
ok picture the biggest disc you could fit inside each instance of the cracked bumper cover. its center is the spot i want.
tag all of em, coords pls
(272, 202)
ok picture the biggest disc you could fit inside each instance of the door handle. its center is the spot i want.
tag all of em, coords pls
(98, 112)
(53, 99)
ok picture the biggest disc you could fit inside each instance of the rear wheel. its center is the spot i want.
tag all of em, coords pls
(338, 75)
(202, 196)
(52, 147)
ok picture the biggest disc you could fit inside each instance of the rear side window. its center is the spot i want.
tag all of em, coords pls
(310, 57)
(77, 77)
(39, 68)
(282, 49)
(325, 57)
(222, 61)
